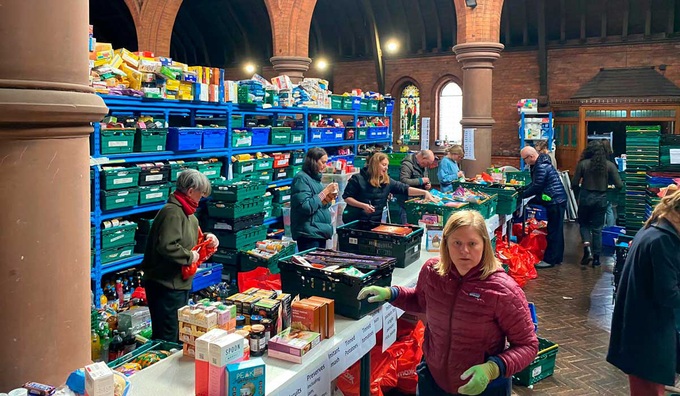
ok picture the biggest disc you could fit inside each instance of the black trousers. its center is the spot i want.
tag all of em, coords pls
(309, 243)
(554, 252)
(163, 305)
(427, 386)
(592, 208)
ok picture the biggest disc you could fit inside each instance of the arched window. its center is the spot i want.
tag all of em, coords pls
(410, 114)
(450, 113)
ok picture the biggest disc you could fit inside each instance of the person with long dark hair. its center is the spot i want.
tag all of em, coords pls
(310, 216)
(593, 174)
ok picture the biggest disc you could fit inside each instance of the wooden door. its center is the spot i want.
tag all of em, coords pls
(566, 142)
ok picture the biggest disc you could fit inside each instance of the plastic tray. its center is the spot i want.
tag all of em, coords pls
(184, 139)
(260, 136)
(117, 140)
(156, 174)
(118, 236)
(113, 179)
(155, 193)
(207, 276)
(357, 237)
(214, 138)
(241, 139)
(229, 191)
(119, 199)
(234, 225)
(239, 239)
(226, 210)
(150, 140)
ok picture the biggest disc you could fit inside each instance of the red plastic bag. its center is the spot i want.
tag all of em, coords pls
(410, 352)
(383, 375)
(260, 278)
(204, 252)
(520, 262)
(536, 243)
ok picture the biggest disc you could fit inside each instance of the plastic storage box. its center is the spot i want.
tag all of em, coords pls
(229, 191)
(226, 210)
(154, 194)
(119, 199)
(117, 140)
(214, 138)
(236, 240)
(113, 179)
(118, 236)
(543, 365)
(151, 174)
(279, 135)
(207, 276)
(357, 237)
(234, 225)
(241, 139)
(184, 139)
(260, 136)
(150, 140)
(117, 253)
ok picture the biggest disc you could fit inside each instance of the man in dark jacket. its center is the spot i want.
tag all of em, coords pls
(549, 191)
(644, 341)
(414, 173)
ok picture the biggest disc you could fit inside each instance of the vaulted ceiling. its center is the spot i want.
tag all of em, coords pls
(229, 32)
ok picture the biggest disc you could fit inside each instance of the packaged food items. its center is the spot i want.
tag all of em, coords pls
(148, 358)
(129, 369)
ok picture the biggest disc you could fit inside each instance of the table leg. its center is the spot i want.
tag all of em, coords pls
(365, 381)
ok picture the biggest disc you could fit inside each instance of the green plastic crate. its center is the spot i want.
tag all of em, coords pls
(264, 177)
(396, 158)
(297, 137)
(243, 177)
(245, 166)
(117, 140)
(268, 212)
(336, 102)
(119, 199)
(234, 210)
(149, 346)
(150, 140)
(279, 135)
(176, 168)
(248, 262)
(118, 236)
(277, 210)
(154, 194)
(242, 238)
(521, 176)
(359, 161)
(144, 225)
(282, 196)
(373, 105)
(362, 133)
(226, 256)
(268, 201)
(297, 157)
(241, 139)
(364, 105)
(263, 164)
(211, 170)
(113, 179)
(228, 191)
(294, 170)
(117, 253)
(347, 102)
(543, 365)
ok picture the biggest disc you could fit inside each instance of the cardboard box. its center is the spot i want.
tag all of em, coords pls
(306, 317)
(331, 313)
(286, 310)
(189, 350)
(434, 238)
(202, 367)
(98, 380)
(292, 345)
(246, 378)
(222, 351)
(323, 316)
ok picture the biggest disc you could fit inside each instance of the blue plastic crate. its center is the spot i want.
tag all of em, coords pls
(260, 136)
(377, 132)
(389, 105)
(207, 276)
(318, 134)
(184, 139)
(538, 212)
(534, 317)
(356, 103)
(610, 234)
(214, 137)
(338, 133)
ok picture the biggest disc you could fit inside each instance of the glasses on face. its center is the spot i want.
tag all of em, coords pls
(526, 158)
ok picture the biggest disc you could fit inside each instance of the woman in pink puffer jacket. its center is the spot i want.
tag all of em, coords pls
(472, 309)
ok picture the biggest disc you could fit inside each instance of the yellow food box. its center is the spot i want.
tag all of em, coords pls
(128, 57)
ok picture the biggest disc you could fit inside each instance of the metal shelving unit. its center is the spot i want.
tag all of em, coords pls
(132, 106)
(547, 132)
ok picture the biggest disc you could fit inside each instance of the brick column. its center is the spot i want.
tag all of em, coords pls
(46, 109)
(477, 60)
(290, 21)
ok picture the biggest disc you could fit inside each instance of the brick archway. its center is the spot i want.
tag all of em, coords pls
(154, 21)
(479, 24)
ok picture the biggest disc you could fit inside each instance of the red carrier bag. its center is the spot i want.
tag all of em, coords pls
(204, 252)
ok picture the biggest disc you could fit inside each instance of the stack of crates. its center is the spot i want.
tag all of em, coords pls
(669, 148)
(642, 152)
(235, 216)
(117, 241)
(621, 202)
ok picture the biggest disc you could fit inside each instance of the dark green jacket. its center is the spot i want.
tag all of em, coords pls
(308, 217)
(172, 236)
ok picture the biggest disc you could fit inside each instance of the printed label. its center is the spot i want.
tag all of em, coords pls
(248, 168)
(222, 226)
(125, 253)
(244, 141)
(116, 238)
(123, 180)
(286, 198)
(118, 143)
(159, 148)
(210, 172)
(353, 241)
(120, 200)
(154, 195)
(536, 371)
(154, 177)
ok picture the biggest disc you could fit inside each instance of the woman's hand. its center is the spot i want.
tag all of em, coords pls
(481, 375)
(461, 174)
(377, 293)
(368, 208)
(214, 242)
(194, 256)
(430, 198)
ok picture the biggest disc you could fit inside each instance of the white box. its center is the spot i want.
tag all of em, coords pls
(225, 349)
(203, 343)
(98, 380)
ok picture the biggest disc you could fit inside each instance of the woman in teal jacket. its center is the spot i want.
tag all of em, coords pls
(310, 217)
(449, 171)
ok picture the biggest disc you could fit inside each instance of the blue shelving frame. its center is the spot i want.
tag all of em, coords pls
(522, 136)
(131, 106)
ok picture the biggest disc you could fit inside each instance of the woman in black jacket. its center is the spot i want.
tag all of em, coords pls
(644, 336)
(593, 174)
(366, 192)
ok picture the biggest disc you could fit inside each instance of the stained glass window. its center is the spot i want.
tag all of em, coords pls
(410, 114)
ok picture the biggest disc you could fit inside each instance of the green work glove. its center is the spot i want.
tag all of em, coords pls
(377, 293)
(546, 198)
(481, 374)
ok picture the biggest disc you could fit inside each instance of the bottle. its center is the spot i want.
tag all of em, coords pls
(116, 346)
(257, 341)
(130, 343)
(105, 348)
(119, 292)
(96, 347)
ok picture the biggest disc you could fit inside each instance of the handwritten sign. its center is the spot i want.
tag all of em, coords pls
(318, 379)
(298, 387)
(377, 322)
(336, 357)
(389, 319)
(353, 351)
(367, 338)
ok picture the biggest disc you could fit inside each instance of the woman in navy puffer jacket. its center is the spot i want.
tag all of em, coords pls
(472, 308)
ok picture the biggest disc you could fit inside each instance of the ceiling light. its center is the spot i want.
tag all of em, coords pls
(322, 64)
(471, 3)
(392, 46)
(249, 68)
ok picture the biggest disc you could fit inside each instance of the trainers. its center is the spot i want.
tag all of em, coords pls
(543, 264)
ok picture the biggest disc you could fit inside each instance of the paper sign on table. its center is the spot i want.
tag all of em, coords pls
(298, 387)
(318, 379)
(352, 350)
(399, 312)
(377, 322)
(389, 315)
(367, 338)
(336, 357)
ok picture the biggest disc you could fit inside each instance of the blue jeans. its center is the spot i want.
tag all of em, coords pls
(428, 387)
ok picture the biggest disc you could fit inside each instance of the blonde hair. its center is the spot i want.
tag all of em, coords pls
(473, 219)
(541, 145)
(669, 205)
(374, 171)
(456, 149)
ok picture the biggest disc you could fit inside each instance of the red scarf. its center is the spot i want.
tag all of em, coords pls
(189, 206)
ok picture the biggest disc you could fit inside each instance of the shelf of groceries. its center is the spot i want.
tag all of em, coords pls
(352, 340)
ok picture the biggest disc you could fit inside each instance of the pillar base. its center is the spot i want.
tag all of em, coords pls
(292, 66)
